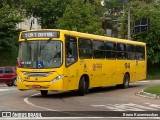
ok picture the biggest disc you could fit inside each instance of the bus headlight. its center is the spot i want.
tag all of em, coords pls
(57, 78)
(20, 79)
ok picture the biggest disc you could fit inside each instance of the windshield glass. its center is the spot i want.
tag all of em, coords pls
(40, 54)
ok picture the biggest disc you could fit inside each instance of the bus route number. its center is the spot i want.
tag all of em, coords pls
(127, 65)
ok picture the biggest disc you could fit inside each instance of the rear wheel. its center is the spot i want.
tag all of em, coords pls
(126, 80)
(44, 92)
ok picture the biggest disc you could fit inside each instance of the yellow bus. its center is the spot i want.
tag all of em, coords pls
(63, 60)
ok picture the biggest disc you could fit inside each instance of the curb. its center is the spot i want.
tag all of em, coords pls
(147, 95)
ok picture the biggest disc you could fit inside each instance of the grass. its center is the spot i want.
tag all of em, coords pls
(153, 90)
(153, 73)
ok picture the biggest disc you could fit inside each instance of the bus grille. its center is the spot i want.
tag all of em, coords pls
(37, 74)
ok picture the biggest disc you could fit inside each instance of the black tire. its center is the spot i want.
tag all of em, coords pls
(82, 87)
(14, 82)
(44, 92)
(10, 84)
(126, 80)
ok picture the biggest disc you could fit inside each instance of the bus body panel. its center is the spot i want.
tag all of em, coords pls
(101, 72)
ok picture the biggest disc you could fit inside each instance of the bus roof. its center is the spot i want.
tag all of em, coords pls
(91, 36)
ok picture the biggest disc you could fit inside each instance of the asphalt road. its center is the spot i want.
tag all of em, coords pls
(97, 104)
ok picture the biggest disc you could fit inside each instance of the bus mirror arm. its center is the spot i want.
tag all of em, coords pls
(49, 39)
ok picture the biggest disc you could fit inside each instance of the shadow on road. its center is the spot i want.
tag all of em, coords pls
(58, 95)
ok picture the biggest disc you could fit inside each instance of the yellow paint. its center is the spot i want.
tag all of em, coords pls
(101, 72)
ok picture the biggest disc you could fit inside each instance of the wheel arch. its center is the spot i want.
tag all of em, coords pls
(86, 78)
(128, 75)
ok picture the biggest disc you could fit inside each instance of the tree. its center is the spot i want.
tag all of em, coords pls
(46, 10)
(114, 13)
(8, 32)
(114, 7)
(139, 10)
(81, 16)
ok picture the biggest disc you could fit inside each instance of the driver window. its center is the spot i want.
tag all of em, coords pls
(71, 50)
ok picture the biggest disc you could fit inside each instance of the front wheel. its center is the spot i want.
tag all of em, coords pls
(83, 87)
(44, 92)
(14, 82)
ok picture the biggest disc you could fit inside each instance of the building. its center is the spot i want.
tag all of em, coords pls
(29, 24)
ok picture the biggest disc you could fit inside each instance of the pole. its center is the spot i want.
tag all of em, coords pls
(129, 26)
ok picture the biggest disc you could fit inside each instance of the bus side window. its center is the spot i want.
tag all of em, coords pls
(71, 50)
(121, 51)
(140, 53)
(131, 55)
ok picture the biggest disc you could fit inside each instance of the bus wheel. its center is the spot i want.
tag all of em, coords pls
(82, 87)
(44, 92)
(14, 82)
(126, 81)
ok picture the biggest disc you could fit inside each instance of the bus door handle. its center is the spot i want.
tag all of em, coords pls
(104, 74)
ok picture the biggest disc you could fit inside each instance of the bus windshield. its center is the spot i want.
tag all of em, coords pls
(40, 54)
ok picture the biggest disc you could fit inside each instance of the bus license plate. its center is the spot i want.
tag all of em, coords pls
(36, 86)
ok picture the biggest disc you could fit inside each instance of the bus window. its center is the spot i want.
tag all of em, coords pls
(110, 48)
(131, 52)
(85, 48)
(98, 49)
(140, 53)
(121, 51)
(71, 50)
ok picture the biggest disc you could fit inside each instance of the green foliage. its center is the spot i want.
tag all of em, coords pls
(153, 90)
(153, 71)
(114, 5)
(139, 10)
(114, 12)
(8, 34)
(12, 3)
(82, 17)
(46, 10)
(8, 22)
(114, 8)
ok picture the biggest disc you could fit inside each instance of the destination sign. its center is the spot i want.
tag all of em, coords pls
(40, 34)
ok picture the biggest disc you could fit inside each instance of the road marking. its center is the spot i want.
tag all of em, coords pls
(144, 81)
(153, 105)
(33, 105)
(129, 107)
(4, 89)
(47, 109)
(8, 89)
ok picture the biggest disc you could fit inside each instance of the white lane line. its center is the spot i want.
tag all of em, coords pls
(47, 109)
(31, 104)
(7, 89)
(144, 81)
(4, 89)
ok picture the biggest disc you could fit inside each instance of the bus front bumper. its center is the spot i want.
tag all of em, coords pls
(56, 86)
